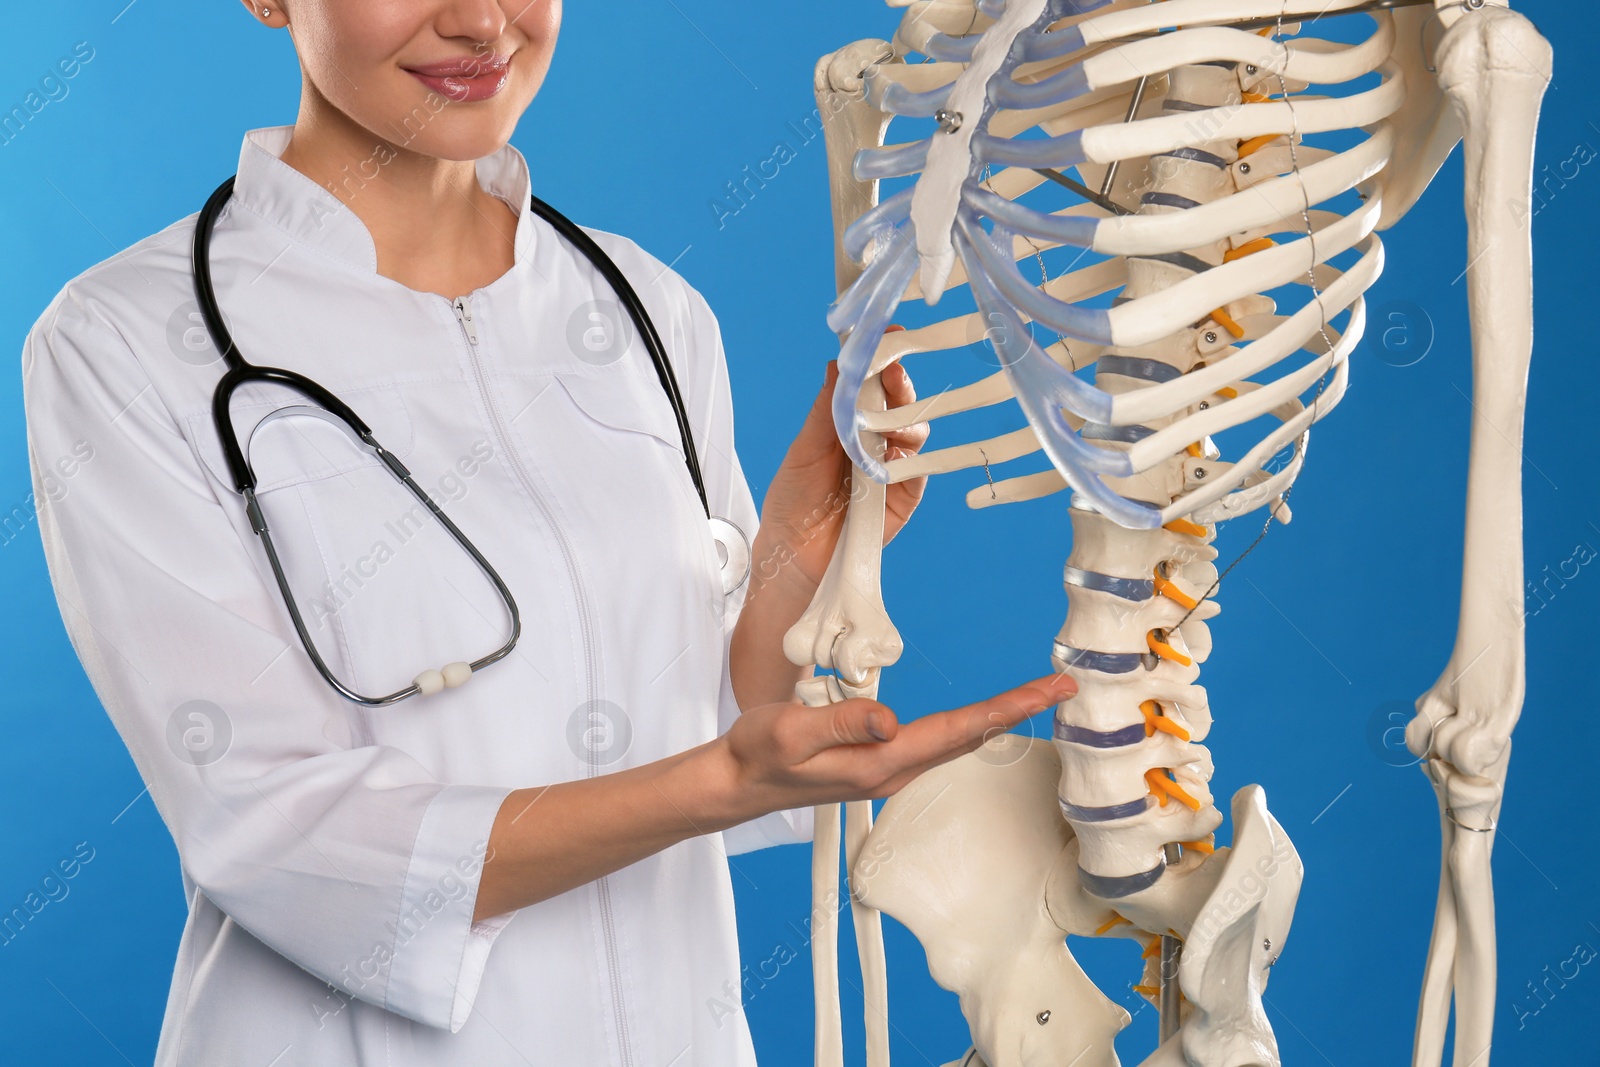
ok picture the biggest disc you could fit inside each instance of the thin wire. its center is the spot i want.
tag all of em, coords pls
(1322, 328)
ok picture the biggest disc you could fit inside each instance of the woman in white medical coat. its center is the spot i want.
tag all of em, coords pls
(530, 868)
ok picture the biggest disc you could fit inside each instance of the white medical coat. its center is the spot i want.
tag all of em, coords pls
(330, 851)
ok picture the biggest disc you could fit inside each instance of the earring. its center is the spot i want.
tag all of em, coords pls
(266, 12)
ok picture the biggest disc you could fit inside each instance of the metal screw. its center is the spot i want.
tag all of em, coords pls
(1244, 168)
(949, 121)
(1204, 404)
(1199, 473)
(1266, 944)
(1211, 337)
(1250, 69)
(1043, 1016)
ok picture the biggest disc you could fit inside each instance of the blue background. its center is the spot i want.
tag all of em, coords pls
(1334, 623)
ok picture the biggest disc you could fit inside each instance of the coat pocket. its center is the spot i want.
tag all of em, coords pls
(288, 449)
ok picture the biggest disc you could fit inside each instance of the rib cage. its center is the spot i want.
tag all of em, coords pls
(1070, 75)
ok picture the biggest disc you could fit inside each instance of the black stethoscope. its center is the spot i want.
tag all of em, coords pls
(732, 546)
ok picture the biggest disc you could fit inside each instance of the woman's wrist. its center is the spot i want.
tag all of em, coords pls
(712, 791)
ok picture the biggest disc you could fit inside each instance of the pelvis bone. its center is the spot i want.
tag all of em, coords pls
(973, 858)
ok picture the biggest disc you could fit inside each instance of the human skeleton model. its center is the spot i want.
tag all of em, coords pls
(1203, 187)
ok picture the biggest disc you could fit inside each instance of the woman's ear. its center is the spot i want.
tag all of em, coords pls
(269, 12)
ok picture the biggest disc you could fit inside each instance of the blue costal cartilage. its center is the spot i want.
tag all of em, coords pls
(882, 284)
(851, 304)
(943, 48)
(1042, 387)
(876, 221)
(886, 94)
(1084, 324)
(1056, 89)
(1029, 367)
(870, 164)
(1052, 45)
(1075, 230)
(1057, 152)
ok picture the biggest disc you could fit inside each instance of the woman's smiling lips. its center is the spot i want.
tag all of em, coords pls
(466, 79)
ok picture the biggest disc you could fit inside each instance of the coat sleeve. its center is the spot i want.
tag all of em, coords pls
(357, 864)
(729, 494)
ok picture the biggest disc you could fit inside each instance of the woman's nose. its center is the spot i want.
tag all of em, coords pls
(476, 20)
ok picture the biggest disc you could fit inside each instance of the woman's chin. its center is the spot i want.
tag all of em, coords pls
(451, 136)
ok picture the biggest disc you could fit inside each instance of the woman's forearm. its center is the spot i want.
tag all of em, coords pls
(549, 839)
(778, 595)
(776, 756)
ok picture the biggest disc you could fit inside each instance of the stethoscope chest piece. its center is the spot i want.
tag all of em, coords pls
(733, 554)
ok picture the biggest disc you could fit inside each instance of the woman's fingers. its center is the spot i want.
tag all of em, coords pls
(898, 390)
(903, 497)
(787, 755)
(841, 742)
(897, 385)
(936, 738)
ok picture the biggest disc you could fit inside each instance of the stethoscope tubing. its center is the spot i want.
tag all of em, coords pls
(239, 371)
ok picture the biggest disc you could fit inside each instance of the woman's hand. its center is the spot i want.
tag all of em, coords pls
(801, 520)
(550, 839)
(783, 756)
(803, 513)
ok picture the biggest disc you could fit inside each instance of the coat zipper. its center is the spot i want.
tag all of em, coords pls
(469, 331)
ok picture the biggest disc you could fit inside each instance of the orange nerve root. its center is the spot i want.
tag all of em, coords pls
(1162, 787)
(1154, 720)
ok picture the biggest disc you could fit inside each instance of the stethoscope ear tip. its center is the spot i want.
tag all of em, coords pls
(449, 676)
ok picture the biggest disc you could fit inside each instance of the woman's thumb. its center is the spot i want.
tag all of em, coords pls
(861, 721)
(830, 374)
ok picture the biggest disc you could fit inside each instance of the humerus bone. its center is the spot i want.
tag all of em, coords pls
(1494, 66)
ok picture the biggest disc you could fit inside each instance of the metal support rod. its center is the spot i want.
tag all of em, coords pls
(1083, 191)
(1171, 950)
(1133, 113)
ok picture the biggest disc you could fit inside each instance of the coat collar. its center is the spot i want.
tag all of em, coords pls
(307, 212)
